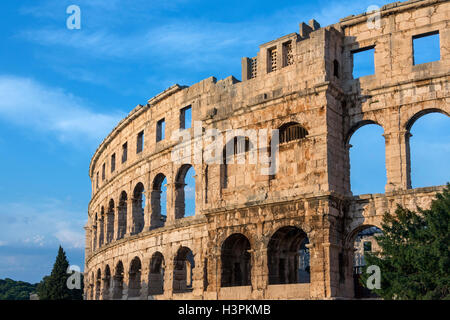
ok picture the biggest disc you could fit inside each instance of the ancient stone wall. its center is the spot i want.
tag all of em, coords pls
(237, 244)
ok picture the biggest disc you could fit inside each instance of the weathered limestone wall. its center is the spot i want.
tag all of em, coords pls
(311, 189)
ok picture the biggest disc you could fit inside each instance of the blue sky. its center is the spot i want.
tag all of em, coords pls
(62, 91)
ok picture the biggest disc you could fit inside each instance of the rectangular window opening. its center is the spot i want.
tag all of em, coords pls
(288, 56)
(186, 118)
(113, 162)
(160, 130)
(103, 171)
(124, 152)
(140, 142)
(272, 55)
(363, 62)
(426, 48)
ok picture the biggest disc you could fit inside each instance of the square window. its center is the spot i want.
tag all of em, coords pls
(363, 62)
(103, 171)
(160, 130)
(426, 48)
(186, 118)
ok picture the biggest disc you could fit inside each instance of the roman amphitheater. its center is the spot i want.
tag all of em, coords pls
(260, 234)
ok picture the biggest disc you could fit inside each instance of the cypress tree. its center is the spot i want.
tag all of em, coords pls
(54, 287)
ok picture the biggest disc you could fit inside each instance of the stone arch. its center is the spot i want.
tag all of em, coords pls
(156, 274)
(288, 256)
(134, 279)
(355, 245)
(357, 160)
(355, 128)
(110, 222)
(236, 261)
(118, 281)
(183, 265)
(106, 283)
(122, 215)
(138, 208)
(180, 192)
(408, 126)
(158, 219)
(410, 122)
(98, 284)
(291, 131)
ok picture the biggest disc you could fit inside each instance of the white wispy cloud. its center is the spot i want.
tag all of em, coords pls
(28, 103)
(48, 223)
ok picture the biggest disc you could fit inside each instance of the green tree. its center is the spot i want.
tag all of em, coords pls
(54, 287)
(414, 258)
(15, 290)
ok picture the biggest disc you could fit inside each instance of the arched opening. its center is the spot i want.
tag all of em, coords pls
(110, 222)
(134, 283)
(185, 192)
(106, 283)
(291, 131)
(182, 271)
(98, 284)
(367, 158)
(122, 215)
(101, 237)
(236, 265)
(156, 274)
(428, 149)
(118, 282)
(288, 256)
(363, 240)
(159, 201)
(138, 208)
(233, 153)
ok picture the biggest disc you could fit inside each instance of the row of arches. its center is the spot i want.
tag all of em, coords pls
(424, 156)
(288, 262)
(114, 222)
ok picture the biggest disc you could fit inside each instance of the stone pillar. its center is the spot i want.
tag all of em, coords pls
(155, 203)
(170, 203)
(147, 211)
(129, 217)
(179, 202)
(259, 272)
(116, 222)
(246, 68)
(168, 278)
(144, 283)
(397, 160)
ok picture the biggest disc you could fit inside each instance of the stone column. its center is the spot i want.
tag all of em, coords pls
(147, 211)
(179, 202)
(170, 203)
(129, 217)
(168, 278)
(116, 222)
(144, 283)
(397, 160)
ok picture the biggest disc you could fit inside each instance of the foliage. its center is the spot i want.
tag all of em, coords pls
(54, 287)
(414, 258)
(15, 290)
